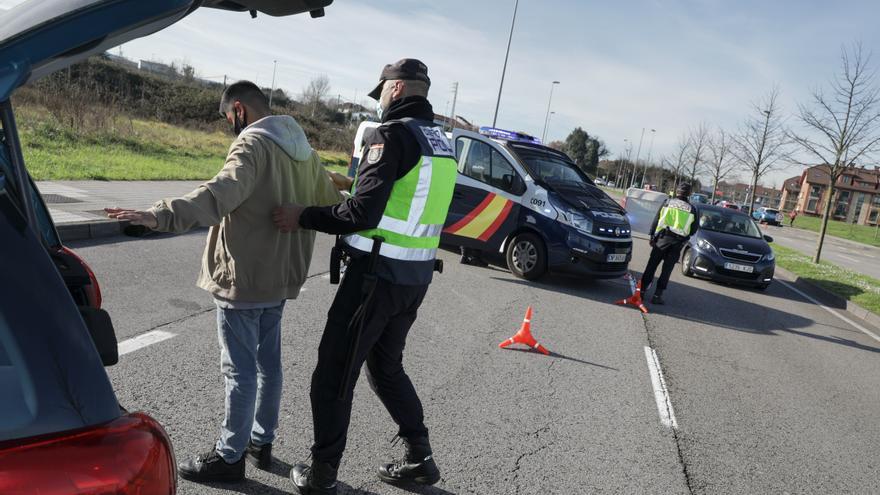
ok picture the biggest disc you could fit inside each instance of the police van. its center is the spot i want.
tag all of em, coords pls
(531, 205)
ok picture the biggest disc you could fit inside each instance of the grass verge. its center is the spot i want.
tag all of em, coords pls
(858, 233)
(860, 289)
(129, 149)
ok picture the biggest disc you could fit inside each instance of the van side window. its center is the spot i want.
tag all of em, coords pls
(479, 161)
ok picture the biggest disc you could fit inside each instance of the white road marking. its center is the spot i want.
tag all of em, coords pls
(661, 393)
(848, 258)
(835, 313)
(141, 341)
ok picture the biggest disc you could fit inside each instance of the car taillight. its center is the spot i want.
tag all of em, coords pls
(131, 455)
(93, 290)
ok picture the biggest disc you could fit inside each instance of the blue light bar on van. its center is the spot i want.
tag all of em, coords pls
(506, 135)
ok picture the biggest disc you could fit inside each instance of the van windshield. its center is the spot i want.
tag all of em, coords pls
(549, 166)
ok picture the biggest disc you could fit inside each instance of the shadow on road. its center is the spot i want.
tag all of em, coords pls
(698, 305)
(561, 356)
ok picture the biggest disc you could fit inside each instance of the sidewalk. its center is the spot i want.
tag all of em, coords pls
(77, 206)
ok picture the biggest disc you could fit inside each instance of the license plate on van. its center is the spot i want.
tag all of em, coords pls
(739, 268)
(617, 258)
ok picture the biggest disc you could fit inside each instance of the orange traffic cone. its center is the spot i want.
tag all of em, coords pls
(524, 336)
(636, 298)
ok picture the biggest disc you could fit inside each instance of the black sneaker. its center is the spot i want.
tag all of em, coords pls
(211, 467)
(418, 465)
(657, 299)
(260, 456)
(317, 479)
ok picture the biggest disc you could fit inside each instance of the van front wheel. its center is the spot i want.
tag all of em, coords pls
(526, 256)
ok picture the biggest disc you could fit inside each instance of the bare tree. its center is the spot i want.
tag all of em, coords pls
(678, 160)
(843, 127)
(699, 146)
(316, 91)
(762, 144)
(721, 162)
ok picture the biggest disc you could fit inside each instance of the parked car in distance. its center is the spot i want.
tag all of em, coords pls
(598, 182)
(699, 199)
(729, 247)
(770, 216)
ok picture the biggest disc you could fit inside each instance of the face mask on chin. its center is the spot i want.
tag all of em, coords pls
(379, 109)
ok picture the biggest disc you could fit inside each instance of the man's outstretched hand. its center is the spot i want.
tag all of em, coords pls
(286, 217)
(342, 182)
(136, 217)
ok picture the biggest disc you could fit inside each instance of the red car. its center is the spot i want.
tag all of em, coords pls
(62, 430)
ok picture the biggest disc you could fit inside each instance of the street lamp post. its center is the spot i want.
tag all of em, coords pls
(638, 154)
(547, 117)
(648, 161)
(272, 91)
(547, 125)
(504, 69)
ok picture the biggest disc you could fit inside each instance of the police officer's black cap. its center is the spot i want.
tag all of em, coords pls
(684, 189)
(408, 69)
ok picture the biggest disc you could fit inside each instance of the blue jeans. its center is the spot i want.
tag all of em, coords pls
(250, 360)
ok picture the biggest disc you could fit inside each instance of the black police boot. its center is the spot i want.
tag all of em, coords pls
(658, 298)
(211, 467)
(260, 456)
(317, 479)
(418, 465)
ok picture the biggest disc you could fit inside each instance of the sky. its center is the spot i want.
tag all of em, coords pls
(623, 66)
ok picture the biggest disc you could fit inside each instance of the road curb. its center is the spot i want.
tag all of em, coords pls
(91, 229)
(831, 299)
(841, 239)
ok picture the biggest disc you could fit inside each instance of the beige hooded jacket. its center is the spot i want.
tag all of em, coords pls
(246, 257)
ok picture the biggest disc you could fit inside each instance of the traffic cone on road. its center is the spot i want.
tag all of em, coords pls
(636, 298)
(524, 336)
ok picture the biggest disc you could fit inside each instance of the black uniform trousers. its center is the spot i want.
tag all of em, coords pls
(386, 324)
(668, 256)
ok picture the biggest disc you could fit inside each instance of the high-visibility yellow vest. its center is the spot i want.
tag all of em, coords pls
(416, 210)
(677, 216)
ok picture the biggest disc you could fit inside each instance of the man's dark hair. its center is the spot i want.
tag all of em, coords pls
(246, 92)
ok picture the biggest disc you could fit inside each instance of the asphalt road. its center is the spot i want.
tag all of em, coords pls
(860, 258)
(769, 392)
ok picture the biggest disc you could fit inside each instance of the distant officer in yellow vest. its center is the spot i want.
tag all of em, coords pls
(401, 195)
(674, 224)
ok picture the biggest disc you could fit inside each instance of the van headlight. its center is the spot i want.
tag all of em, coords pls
(706, 245)
(572, 217)
(576, 220)
(770, 256)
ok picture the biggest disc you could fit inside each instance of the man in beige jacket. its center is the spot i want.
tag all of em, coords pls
(249, 267)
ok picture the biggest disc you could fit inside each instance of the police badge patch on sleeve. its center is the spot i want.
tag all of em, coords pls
(375, 153)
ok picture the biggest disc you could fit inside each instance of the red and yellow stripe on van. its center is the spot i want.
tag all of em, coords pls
(484, 220)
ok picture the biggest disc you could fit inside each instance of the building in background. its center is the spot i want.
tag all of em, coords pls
(791, 189)
(856, 194)
(739, 193)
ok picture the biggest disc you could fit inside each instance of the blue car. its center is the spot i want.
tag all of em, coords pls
(770, 216)
(729, 247)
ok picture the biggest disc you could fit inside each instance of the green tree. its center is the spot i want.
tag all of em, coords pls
(585, 150)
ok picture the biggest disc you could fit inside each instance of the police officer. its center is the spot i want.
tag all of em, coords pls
(674, 224)
(400, 195)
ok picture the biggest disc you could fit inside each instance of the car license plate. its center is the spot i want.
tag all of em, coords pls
(739, 268)
(617, 258)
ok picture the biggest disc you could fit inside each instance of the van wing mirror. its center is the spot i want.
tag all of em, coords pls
(102, 333)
